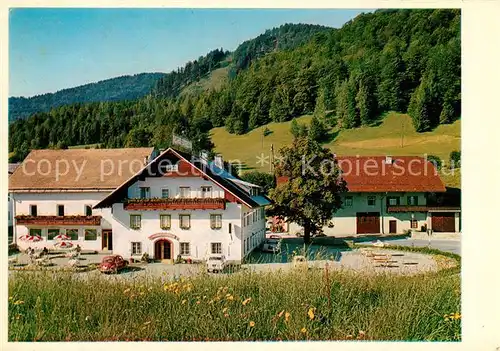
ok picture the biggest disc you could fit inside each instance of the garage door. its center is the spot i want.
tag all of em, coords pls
(367, 222)
(443, 222)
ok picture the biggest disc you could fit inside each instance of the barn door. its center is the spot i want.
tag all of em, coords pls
(368, 222)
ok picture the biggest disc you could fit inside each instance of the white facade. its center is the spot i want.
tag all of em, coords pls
(238, 225)
(47, 205)
(345, 220)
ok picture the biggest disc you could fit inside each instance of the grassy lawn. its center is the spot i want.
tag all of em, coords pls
(298, 305)
(384, 139)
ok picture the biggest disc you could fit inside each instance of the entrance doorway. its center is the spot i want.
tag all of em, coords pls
(392, 227)
(163, 249)
(107, 240)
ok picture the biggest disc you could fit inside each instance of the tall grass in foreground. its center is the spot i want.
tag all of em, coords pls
(299, 305)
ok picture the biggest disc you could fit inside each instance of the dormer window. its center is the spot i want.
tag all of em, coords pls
(254, 191)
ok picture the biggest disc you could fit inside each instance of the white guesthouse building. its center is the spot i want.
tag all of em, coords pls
(166, 205)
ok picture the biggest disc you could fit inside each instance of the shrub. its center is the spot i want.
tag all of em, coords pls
(436, 161)
(455, 159)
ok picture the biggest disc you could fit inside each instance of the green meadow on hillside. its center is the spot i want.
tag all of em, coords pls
(213, 82)
(394, 136)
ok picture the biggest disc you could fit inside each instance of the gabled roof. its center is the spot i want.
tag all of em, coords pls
(217, 175)
(12, 167)
(373, 174)
(77, 169)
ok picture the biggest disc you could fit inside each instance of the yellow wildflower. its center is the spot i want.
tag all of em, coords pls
(11, 297)
(126, 290)
(252, 324)
(146, 323)
(287, 316)
(224, 310)
(230, 298)
(303, 330)
(281, 313)
(227, 295)
(183, 302)
(18, 302)
(246, 301)
(311, 313)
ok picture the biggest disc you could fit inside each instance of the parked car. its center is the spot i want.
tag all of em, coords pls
(216, 263)
(271, 245)
(112, 264)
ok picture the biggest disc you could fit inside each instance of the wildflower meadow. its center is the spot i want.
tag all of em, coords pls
(296, 305)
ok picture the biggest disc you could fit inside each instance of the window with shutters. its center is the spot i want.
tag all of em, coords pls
(371, 200)
(136, 248)
(135, 221)
(165, 221)
(216, 248)
(72, 233)
(90, 234)
(348, 201)
(165, 193)
(392, 201)
(216, 221)
(413, 200)
(185, 249)
(52, 233)
(184, 221)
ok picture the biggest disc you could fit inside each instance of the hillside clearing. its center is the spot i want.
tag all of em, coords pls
(214, 81)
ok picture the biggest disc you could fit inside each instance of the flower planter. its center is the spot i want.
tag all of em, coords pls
(175, 204)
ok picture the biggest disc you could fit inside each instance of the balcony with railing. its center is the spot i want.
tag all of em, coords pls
(207, 203)
(58, 220)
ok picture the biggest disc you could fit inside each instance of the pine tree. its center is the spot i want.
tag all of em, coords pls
(317, 130)
(419, 108)
(365, 104)
(280, 106)
(346, 106)
(320, 108)
(446, 115)
(294, 128)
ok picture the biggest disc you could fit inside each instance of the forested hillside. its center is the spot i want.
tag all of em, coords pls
(391, 60)
(285, 37)
(115, 89)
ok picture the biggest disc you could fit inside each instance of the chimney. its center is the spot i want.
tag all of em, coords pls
(388, 160)
(219, 162)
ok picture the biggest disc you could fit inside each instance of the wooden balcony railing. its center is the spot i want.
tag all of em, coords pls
(175, 204)
(58, 220)
(408, 208)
